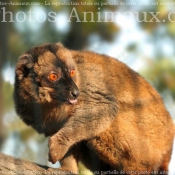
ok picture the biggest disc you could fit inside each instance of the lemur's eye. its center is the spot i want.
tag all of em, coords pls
(72, 72)
(53, 76)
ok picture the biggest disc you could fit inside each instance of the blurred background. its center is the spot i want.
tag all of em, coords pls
(140, 34)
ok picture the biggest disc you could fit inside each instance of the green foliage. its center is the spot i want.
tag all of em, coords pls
(7, 95)
(161, 73)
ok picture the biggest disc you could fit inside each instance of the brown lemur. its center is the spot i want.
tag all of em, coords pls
(95, 109)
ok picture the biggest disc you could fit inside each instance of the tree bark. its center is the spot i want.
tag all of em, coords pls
(11, 165)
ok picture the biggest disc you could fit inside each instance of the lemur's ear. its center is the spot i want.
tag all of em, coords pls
(23, 66)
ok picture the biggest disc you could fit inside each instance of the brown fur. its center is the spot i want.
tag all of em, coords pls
(118, 123)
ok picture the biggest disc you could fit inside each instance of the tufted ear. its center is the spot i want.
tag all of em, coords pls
(23, 66)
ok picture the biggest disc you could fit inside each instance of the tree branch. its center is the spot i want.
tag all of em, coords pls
(11, 165)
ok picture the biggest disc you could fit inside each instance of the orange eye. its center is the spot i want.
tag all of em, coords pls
(53, 76)
(72, 72)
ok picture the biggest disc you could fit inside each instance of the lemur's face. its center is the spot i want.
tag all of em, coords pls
(45, 75)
